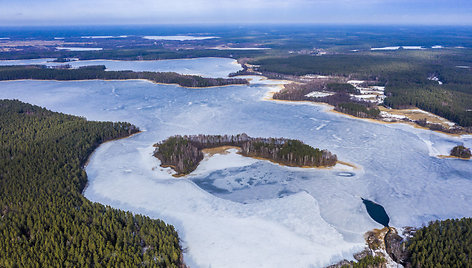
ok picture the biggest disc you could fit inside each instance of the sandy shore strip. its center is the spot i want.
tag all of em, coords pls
(452, 157)
(219, 150)
(340, 165)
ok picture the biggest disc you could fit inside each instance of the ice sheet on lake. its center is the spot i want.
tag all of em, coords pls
(206, 67)
(256, 213)
(385, 48)
(178, 37)
(80, 48)
(104, 36)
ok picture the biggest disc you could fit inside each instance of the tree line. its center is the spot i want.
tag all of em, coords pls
(42, 72)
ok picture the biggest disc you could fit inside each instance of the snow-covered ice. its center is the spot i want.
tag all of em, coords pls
(178, 37)
(80, 48)
(241, 48)
(241, 212)
(104, 36)
(206, 67)
(413, 47)
(385, 48)
(398, 47)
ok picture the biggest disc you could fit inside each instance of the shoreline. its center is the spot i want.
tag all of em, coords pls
(120, 138)
(145, 80)
(236, 62)
(93, 152)
(452, 157)
(224, 150)
(269, 97)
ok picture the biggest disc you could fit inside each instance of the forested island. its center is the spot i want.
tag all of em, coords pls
(184, 153)
(45, 219)
(42, 72)
(461, 151)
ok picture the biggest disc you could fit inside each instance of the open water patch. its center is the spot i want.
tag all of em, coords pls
(376, 212)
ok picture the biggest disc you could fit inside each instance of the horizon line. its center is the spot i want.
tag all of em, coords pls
(190, 24)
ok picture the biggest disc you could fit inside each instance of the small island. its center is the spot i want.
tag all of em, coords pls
(184, 153)
(461, 151)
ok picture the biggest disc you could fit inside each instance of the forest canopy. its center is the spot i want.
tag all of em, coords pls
(44, 219)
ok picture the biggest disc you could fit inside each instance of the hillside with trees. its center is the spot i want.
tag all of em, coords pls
(41, 72)
(45, 221)
(184, 153)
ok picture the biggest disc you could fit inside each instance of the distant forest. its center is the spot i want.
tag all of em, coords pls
(42, 72)
(407, 75)
(45, 221)
(132, 53)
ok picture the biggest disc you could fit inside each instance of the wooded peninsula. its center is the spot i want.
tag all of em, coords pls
(429, 80)
(184, 153)
(42, 72)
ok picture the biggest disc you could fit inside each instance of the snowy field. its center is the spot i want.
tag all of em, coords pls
(241, 212)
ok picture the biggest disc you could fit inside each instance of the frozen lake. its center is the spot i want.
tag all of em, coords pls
(241, 212)
(206, 67)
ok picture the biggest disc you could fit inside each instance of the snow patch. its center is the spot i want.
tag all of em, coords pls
(319, 94)
(178, 37)
(385, 48)
(80, 48)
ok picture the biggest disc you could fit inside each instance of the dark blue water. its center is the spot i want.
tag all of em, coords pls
(376, 212)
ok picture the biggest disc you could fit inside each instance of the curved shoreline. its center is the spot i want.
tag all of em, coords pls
(89, 158)
(269, 97)
(224, 150)
(117, 80)
(452, 157)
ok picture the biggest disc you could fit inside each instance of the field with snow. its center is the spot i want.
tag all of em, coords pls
(234, 211)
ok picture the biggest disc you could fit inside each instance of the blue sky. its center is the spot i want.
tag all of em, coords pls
(60, 12)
